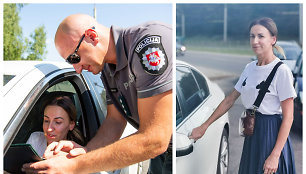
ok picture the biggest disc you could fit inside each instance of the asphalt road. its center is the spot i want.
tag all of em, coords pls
(225, 70)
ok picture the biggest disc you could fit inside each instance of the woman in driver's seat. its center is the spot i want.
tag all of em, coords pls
(58, 124)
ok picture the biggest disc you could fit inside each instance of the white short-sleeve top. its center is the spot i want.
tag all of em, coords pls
(280, 89)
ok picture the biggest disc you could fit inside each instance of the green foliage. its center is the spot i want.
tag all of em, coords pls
(36, 47)
(13, 46)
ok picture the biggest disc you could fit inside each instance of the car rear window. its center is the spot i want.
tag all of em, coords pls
(188, 91)
(7, 78)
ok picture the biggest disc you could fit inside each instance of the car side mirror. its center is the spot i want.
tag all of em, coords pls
(184, 146)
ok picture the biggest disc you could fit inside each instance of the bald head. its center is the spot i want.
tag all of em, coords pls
(70, 31)
(76, 24)
(96, 48)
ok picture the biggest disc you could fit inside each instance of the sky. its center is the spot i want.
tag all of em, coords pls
(119, 14)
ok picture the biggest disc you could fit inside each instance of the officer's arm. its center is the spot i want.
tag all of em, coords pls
(110, 130)
(152, 138)
(155, 114)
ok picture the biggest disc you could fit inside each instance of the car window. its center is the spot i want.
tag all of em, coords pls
(66, 86)
(34, 120)
(202, 84)
(291, 52)
(7, 78)
(99, 92)
(63, 86)
(188, 89)
(179, 116)
(186, 82)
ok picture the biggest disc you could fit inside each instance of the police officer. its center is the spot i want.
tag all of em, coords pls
(136, 66)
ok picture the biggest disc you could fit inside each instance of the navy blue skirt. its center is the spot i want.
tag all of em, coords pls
(258, 147)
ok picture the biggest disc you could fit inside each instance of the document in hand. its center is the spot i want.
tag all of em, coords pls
(17, 155)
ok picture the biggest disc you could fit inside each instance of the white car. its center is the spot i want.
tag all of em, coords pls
(196, 99)
(25, 85)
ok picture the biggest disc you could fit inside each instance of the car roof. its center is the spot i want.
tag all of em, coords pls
(180, 62)
(287, 43)
(19, 67)
(26, 75)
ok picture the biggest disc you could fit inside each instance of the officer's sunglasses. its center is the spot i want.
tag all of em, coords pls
(74, 58)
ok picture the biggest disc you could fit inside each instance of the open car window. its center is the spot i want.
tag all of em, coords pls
(34, 120)
(98, 91)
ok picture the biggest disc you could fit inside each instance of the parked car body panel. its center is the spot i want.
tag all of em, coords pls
(204, 158)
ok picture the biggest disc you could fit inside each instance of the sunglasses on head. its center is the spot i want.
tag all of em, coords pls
(74, 57)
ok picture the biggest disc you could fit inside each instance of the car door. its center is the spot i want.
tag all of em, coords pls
(92, 106)
(193, 108)
(28, 118)
(64, 81)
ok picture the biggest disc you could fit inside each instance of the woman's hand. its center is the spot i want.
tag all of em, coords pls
(271, 164)
(64, 147)
(198, 132)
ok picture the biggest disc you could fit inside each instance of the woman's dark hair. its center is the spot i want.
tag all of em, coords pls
(66, 103)
(270, 25)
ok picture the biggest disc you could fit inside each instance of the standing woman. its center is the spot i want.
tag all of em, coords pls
(269, 149)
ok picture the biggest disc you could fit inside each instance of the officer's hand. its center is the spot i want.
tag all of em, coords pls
(60, 164)
(70, 147)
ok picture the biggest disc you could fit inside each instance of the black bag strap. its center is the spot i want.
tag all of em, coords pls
(116, 103)
(262, 92)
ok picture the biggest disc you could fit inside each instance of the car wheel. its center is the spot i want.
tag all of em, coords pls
(223, 154)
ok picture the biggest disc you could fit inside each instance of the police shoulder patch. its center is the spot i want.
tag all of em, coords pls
(152, 54)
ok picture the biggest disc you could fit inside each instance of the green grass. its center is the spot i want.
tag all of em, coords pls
(218, 45)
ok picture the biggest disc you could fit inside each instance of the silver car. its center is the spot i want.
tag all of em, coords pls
(292, 51)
